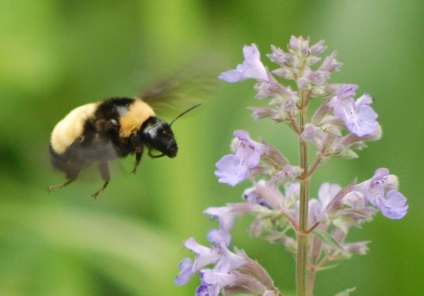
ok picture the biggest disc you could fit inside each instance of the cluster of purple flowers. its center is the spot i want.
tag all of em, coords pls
(338, 127)
(234, 272)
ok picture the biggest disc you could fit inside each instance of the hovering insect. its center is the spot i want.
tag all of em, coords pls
(114, 128)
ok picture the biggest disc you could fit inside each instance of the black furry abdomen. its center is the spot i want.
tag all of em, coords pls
(64, 164)
(79, 155)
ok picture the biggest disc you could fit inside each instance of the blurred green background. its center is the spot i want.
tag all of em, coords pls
(56, 55)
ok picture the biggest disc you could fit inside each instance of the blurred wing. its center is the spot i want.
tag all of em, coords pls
(191, 85)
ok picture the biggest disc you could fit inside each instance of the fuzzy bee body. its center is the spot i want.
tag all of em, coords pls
(102, 131)
(96, 133)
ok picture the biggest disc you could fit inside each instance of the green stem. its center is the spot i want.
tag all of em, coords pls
(313, 271)
(302, 235)
(311, 281)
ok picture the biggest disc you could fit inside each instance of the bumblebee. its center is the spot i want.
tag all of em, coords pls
(97, 133)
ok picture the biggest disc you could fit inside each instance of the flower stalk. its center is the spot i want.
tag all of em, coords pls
(302, 235)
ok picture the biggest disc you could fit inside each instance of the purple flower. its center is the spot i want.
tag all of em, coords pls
(394, 206)
(219, 237)
(206, 290)
(218, 255)
(231, 170)
(280, 57)
(341, 207)
(353, 200)
(229, 261)
(319, 208)
(221, 274)
(358, 116)
(264, 194)
(203, 257)
(292, 191)
(227, 214)
(213, 281)
(234, 168)
(318, 48)
(299, 44)
(381, 192)
(327, 192)
(330, 64)
(186, 272)
(346, 91)
(252, 67)
(313, 135)
(271, 88)
(374, 188)
(235, 272)
(287, 174)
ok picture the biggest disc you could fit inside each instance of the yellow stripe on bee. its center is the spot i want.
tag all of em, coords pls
(138, 112)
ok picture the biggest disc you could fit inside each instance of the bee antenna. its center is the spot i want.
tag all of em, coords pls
(184, 112)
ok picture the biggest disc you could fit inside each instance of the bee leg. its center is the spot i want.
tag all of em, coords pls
(57, 186)
(155, 155)
(138, 148)
(138, 155)
(104, 172)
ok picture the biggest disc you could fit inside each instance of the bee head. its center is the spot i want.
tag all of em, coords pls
(157, 134)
